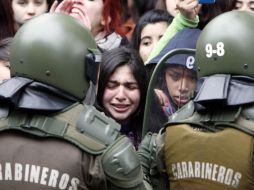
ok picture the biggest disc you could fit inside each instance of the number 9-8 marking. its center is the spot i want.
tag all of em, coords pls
(219, 51)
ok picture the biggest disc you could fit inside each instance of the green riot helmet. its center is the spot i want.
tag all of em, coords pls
(225, 45)
(51, 49)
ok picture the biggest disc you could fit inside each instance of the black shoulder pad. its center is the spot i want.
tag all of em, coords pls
(4, 111)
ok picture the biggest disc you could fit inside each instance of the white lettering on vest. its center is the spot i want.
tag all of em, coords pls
(44, 176)
(64, 181)
(38, 175)
(34, 174)
(7, 175)
(236, 179)
(74, 184)
(18, 172)
(208, 171)
(221, 174)
(53, 178)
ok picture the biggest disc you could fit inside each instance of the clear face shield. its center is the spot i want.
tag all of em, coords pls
(171, 86)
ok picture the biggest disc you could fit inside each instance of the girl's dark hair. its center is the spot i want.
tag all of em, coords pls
(50, 2)
(7, 28)
(140, 7)
(151, 17)
(230, 5)
(113, 59)
(5, 48)
(210, 11)
(161, 5)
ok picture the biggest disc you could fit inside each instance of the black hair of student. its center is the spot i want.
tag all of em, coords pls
(230, 5)
(7, 28)
(49, 2)
(113, 59)
(225, 4)
(139, 8)
(151, 17)
(146, 5)
(5, 45)
(210, 11)
(161, 5)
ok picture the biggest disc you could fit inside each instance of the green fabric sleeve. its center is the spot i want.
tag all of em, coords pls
(179, 23)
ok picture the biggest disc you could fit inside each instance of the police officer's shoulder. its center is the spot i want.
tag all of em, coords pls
(98, 126)
(81, 125)
(4, 111)
(185, 112)
(89, 129)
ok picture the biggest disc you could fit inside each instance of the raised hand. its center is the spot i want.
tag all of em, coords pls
(79, 11)
(74, 8)
(188, 8)
(64, 7)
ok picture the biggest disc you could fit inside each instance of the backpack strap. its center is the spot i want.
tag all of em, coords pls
(83, 126)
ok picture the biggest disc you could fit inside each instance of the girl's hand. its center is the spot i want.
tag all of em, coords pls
(188, 8)
(64, 7)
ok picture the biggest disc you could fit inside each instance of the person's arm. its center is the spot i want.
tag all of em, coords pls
(151, 155)
(187, 18)
(122, 167)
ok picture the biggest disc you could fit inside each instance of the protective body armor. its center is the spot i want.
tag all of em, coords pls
(71, 149)
(36, 152)
(196, 157)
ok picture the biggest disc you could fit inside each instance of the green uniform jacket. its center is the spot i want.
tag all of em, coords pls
(45, 160)
(207, 150)
(208, 160)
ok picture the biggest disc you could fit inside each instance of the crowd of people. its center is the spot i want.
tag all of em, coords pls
(95, 95)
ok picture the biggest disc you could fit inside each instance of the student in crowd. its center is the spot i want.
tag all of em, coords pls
(148, 31)
(132, 11)
(170, 5)
(176, 81)
(146, 34)
(101, 17)
(5, 59)
(122, 90)
(186, 18)
(243, 5)
(206, 12)
(6, 20)
(24, 10)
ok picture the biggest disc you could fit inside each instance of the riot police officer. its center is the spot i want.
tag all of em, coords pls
(208, 144)
(48, 138)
